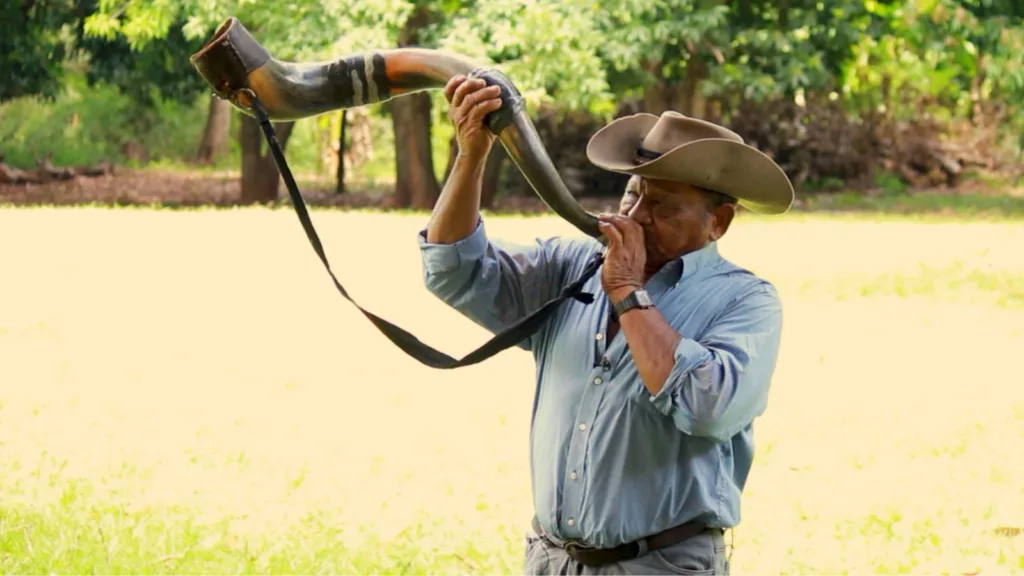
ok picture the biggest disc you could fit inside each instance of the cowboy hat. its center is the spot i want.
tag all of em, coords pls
(678, 148)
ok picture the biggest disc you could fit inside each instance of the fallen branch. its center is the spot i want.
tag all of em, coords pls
(46, 172)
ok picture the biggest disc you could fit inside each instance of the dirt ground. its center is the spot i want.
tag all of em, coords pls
(183, 188)
(178, 188)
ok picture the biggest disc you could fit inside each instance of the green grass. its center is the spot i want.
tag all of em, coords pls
(957, 205)
(183, 391)
(79, 536)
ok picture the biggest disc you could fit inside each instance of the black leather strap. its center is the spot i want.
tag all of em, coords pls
(404, 340)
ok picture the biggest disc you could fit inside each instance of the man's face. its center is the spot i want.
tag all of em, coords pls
(676, 218)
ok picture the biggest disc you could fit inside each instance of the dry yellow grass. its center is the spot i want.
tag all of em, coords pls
(186, 392)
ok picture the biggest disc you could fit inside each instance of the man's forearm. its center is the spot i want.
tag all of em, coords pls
(457, 210)
(652, 342)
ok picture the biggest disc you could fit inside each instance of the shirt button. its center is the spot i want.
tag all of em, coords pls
(571, 522)
(597, 380)
(573, 475)
(599, 336)
(583, 426)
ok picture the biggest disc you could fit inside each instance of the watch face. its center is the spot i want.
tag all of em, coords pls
(643, 298)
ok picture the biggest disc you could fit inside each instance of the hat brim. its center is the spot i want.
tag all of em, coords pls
(717, 164)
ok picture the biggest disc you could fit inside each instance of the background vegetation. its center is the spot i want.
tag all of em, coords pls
(849, 95)
(184, 391)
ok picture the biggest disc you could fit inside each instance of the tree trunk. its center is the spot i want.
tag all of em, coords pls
(685, 97)
(217, 132)
(690, 98)
(976, 115)
(656, 99)
(360, 139)
(715, 112)
(492, 175)
(340, 186)
(416, 183)
(260, 177)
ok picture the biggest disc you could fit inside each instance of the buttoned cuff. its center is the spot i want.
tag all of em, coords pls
(439, 258)
(689, 355)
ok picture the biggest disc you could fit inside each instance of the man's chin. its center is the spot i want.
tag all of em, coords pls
(654, 257)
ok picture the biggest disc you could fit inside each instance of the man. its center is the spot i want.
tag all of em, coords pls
(641, 439)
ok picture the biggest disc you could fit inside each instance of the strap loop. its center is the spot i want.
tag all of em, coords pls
(412, 346)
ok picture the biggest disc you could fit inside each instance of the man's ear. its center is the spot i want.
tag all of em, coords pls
(632, 187)
(721, 218)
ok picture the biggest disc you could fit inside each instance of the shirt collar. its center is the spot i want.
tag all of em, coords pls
(685, 266)
(698, 259)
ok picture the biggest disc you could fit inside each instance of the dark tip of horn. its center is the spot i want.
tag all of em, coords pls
(226, 60)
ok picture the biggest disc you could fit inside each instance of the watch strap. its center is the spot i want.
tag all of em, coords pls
(636, 299)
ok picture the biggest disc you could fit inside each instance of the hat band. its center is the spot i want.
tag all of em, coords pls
(648, 154)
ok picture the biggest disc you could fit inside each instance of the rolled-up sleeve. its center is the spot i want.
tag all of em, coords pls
(719, 383)
(494, 283)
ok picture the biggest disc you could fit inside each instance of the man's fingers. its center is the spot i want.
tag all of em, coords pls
(480, 95)
(634, 232)
(482, 109)
(630, 229)
(452, 85)
(613, 234)
(618, 222)
(476, 114)
(466, 88)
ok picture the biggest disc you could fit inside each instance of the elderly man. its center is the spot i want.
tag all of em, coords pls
(642, 419)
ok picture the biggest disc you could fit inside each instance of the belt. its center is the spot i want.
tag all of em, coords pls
(590, 556)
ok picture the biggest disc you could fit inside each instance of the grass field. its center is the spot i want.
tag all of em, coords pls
(185, 392)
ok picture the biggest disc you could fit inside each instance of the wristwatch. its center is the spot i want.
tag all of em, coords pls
(636, 299)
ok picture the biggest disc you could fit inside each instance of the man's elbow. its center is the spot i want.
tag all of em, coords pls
(448, 286)
(718, 429)
(714, 406)
(715, 421)
(444, 274)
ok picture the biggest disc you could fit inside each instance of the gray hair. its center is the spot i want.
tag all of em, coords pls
(715, 200)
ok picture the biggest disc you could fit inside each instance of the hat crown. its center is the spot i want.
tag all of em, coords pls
(674, 129)
(675, 148)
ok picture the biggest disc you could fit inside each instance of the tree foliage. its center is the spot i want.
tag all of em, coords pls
(156, 69)
(33, 41)
(941, 61)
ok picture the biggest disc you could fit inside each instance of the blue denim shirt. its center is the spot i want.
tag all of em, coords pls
(610, 463)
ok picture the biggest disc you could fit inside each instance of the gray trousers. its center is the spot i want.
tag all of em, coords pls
(701, 555)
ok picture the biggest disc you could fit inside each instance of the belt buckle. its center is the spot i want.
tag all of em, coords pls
(585, 554)
(571, 546)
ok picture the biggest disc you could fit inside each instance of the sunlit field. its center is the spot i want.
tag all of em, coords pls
(186, 392)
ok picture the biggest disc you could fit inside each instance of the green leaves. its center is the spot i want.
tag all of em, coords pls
(589, 54)
(549, 49)
(139, 21)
